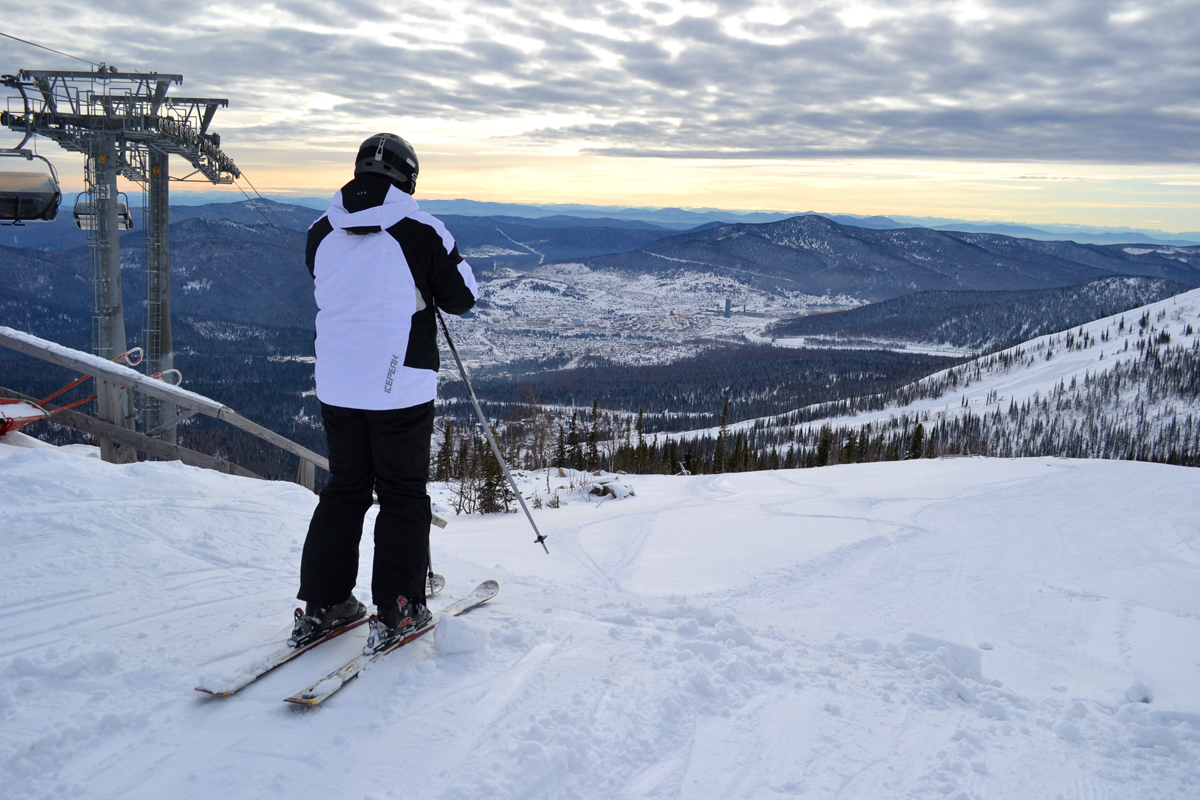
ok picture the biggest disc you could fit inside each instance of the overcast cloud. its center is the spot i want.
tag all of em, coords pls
(1100, 82)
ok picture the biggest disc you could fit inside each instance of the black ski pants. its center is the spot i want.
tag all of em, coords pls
(384, 451)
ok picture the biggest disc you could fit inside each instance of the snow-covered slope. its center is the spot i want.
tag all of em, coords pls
(958, 627)
(1125, 386)
(1041, 364)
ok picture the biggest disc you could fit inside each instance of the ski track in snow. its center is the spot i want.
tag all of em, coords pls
(965, 628)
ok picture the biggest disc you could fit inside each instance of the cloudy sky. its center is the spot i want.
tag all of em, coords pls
(1039, 111)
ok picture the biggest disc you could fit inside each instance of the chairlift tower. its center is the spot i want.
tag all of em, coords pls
(125, 125)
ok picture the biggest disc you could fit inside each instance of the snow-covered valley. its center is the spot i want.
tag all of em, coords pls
(966, 627)
(572, 310)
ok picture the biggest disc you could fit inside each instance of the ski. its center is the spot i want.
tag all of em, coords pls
(433, 585)
(258, 669)
(329, 685)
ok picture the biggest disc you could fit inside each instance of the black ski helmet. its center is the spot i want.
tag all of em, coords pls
(389, 155)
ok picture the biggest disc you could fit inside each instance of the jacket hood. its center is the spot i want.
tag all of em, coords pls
(396, 206)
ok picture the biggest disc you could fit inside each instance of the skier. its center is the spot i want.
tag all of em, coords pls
(380, 267)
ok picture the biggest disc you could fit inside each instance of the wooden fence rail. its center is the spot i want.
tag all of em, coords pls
(110, 377)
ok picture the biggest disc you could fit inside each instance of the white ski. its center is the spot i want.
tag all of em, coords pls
(326, 687)
(251, 673)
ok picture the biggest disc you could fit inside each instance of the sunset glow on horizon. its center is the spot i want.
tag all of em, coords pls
(1075, 112)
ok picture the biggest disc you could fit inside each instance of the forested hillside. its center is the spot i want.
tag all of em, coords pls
(818, 256)
(690, 393)
(980, 320)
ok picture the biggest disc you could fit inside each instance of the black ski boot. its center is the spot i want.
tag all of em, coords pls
(319, 620)
(394, 621)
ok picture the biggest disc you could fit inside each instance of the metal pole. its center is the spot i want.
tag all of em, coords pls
(487, 429)
(109, 309)
(113, 404)
(160, 355)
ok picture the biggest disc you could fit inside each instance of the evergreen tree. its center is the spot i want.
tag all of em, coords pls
(850, 449)
(574, 450)
(641, 457)
(824, 447)
(916, 445)
(494, 491)
(593, 439)
(444, 461)
(560, 452)
(719, 455)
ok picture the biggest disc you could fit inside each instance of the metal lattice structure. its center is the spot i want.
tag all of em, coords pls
(75, 108)
(125, 125)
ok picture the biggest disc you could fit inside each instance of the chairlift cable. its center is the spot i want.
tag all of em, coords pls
(51, 49)
(276, 228)
(267, 291)
(246, 178)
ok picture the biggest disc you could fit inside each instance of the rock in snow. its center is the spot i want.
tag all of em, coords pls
(795, 633)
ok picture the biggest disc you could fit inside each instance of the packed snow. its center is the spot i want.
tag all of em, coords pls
(966, 628)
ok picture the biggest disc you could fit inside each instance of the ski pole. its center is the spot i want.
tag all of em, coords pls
(487, 429)
(429, 571)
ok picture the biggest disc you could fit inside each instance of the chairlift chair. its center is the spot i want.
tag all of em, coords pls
(25, 196)
(28, 196)
(85, 213)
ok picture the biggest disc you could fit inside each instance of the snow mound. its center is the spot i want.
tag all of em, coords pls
(457, 635)
(959, 660)
(607, 484)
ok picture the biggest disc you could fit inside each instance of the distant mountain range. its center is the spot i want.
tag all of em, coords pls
(226, 262)
(220, 268)
(491, 241)
(817, 256)
(300, 211)
(1080, 235)
(680, 219)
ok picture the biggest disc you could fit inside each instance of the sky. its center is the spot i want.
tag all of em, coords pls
(1065, 111)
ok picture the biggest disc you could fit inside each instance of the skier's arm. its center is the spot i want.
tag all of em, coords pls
(453, 283)
(316, 234)
(443, 273)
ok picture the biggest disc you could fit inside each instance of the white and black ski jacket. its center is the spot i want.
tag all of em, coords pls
(380, 265)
